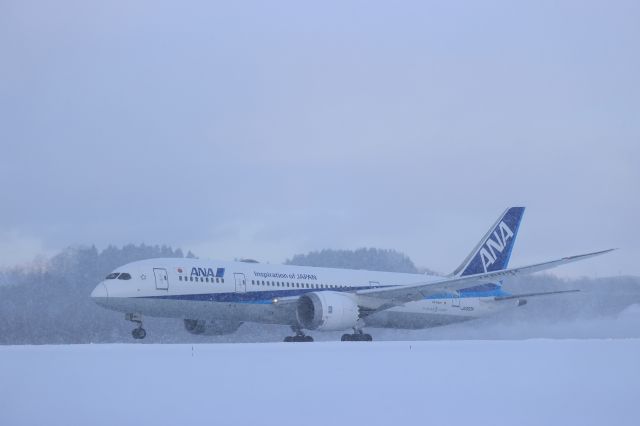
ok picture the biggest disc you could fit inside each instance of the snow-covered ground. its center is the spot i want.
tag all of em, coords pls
(514, 382)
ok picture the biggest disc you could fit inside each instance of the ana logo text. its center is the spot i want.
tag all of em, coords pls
(497, 244)
(207, 272)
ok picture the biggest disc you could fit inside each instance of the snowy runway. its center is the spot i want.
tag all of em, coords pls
(484, 382)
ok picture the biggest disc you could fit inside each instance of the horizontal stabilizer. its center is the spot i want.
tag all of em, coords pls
(525, 295)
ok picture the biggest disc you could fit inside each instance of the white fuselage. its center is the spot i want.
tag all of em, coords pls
(245, 292)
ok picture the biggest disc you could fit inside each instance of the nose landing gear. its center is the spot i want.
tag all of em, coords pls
(137, 333)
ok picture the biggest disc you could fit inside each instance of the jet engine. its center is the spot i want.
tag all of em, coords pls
(327, 310)
(211, 328)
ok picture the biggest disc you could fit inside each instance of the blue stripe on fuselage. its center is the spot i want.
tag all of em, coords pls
(259, 297)
(266, 297)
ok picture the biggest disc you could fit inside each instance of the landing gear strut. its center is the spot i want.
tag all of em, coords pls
(299, 337)
(357, 336)
(138, 332)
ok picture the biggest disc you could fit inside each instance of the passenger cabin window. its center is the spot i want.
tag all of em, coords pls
(124, 276)
(112, 276)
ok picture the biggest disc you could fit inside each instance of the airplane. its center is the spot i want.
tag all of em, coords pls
(215, 298)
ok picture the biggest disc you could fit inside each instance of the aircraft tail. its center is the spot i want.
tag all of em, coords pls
(494, 249)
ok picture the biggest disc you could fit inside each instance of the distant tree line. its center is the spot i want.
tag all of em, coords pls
(371, 259)
(48, 302)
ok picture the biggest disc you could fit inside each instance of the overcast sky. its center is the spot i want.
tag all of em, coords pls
(265, 129)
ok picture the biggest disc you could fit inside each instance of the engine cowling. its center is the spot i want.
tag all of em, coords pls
(210, 328)
(327, 310)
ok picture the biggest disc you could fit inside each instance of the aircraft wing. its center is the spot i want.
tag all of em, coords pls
(385, 298)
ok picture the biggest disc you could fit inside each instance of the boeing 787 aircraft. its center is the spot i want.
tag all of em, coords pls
(214, 297)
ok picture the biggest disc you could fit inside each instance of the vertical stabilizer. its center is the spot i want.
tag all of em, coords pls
(494, 250)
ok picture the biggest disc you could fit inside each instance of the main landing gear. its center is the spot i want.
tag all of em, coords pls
(138, 333)
(299, 337)
(357, 336)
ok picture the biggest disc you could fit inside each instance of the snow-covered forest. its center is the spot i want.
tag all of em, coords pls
(48, 301)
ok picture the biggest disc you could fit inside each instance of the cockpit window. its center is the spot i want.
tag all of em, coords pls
(112, 276)
(124, 276)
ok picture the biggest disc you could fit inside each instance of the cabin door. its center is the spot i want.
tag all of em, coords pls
(241, 283)
(455, 300)
(162, 279)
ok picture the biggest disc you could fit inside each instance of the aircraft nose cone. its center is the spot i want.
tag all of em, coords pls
(100, 291)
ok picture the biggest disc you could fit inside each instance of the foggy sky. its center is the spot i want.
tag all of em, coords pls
(265, 129)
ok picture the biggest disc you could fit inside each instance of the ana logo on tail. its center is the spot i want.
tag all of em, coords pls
(488, 251)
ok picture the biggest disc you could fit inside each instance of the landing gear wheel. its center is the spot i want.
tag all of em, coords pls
(299, 337)
(139, 333)
(357, 337)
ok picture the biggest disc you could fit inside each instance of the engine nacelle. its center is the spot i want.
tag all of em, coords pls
(210, 328)
(327, 310)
